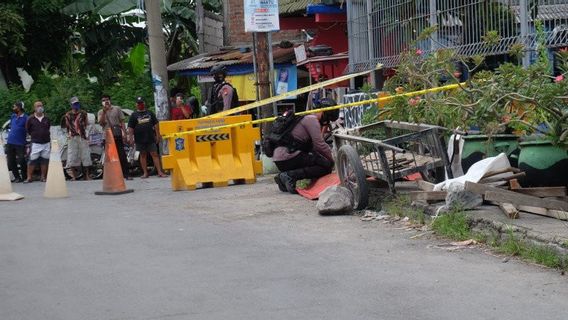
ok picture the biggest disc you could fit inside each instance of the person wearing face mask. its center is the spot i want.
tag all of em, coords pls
(181, 111)
(37, 127)
(223, 95)
(143, 130)
(305, 154)
(78, 150)
(16, 146)
(111, 117)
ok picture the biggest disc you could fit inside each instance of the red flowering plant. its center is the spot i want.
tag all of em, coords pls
(510, 99)
(418, 70)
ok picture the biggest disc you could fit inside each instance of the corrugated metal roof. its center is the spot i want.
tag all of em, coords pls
(229, 57)
(294, 6)
(547, 12)
(337, 56)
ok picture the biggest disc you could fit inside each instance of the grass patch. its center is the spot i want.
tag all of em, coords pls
(303, 184)
(453, 225)
(539, 254)
(400, 206)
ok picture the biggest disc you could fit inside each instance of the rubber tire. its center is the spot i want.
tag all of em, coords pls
(360, 196)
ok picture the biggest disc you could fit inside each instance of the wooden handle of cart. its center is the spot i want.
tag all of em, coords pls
(371, 141)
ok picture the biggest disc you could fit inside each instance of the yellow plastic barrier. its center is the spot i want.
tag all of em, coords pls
(212, 159)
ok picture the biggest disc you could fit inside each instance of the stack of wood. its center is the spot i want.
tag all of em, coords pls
(549, 201)
(501, 188)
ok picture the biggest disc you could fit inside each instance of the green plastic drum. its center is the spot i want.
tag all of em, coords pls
(545, 164)
(479, 147)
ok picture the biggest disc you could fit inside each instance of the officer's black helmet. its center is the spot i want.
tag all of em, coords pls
(218, 69)
(331, 115)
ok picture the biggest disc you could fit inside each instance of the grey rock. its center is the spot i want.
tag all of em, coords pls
(335, 200)
(465, 200)
(460, 199)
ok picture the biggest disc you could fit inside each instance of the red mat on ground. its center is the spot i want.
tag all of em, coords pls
(313, 191)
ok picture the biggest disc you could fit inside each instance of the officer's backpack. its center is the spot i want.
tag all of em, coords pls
(281, 135)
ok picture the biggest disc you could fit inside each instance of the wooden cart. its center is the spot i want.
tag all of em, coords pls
(389, 151)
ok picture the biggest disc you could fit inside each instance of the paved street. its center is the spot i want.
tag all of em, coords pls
(244, 252)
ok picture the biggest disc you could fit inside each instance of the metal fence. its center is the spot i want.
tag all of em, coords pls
(379, 30)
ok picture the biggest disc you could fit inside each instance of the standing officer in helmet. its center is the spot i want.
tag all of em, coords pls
(223, 95)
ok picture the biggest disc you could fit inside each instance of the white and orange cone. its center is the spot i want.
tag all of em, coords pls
(55, 186)
(6, 193)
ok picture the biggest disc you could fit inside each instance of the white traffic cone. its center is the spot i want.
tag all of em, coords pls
(6, 193)
(55, 187)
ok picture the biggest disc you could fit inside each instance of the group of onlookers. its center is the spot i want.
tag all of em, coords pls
(37, 127)
(142, 131)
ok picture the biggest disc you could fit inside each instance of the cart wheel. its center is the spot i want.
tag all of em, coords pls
(352, 176)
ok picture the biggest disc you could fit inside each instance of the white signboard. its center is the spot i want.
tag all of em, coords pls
(300, 53)
(205, 78)
(261, 15)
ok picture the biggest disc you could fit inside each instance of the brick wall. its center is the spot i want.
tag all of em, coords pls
(213, 29)
(236, 27)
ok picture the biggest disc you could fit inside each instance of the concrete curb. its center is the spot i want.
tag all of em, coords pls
(503, 231)
(480, 222)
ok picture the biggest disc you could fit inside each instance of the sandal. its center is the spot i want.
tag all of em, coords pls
(144, 177)
(163, 175)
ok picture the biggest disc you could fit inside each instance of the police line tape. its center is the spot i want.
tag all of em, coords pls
(346, 105)
(289, 94)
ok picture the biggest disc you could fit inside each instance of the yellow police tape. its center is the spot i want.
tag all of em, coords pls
(283, 96)
(346, 105)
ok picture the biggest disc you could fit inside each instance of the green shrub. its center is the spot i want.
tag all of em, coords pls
(124, 91)
(54, 91)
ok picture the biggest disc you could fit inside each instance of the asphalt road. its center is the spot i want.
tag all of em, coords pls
(244, 252)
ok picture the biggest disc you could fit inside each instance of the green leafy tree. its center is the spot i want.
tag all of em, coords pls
(33, 33)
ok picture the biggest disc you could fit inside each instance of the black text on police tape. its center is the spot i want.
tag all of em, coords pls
(212, 137)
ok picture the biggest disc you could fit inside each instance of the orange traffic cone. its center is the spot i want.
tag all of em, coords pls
(6, 193)
(113, 180)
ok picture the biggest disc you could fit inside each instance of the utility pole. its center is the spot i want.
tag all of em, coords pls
(200, 15)
(263, 81)
(199, 23)
(158, 59)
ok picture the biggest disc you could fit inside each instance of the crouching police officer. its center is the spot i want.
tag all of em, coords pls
(304, 154)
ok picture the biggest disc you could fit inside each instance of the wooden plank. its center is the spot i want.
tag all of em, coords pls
(479, 188)
(509, 210)
(514, 184)
(501, 171)
(508, 178)
(520, 199)
(557, 214)
(543, 192)
(502, 196)
(428, 195)
(425, 185)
